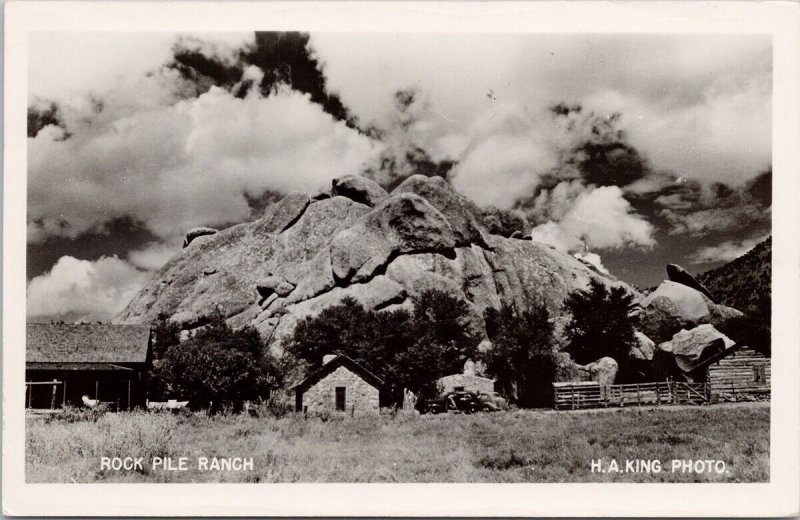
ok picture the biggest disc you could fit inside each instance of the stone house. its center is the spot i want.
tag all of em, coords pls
(339, 385)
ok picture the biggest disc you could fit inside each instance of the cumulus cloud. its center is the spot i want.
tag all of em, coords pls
(726, 251)
(173, 131)
(592, 259)
(187, 164)
(694, 106)
(82, 290)
(153, 256)
(68, 67)
(598, 218)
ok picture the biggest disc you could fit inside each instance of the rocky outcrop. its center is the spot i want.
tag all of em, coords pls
(644, 349)
(283, 214)
(462, 214)
(403, 224)
(195, 233)
(674, 306)
(305, 254)
(603, 370)
(680, 275)
(359, 189)
(689, 304)
(689, 348)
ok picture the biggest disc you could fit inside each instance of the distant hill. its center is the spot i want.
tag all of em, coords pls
(743, 283)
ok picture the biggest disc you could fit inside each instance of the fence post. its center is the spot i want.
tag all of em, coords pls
(53, 397)
(572, 388)
(658, 394)
(638, 396)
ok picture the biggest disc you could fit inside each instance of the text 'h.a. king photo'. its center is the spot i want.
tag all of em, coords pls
(310, 256)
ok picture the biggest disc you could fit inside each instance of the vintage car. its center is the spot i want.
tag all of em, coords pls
(465, 402)
(492, 402)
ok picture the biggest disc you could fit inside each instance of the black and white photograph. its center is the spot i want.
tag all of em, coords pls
(398, 256)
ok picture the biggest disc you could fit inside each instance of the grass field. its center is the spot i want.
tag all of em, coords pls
(515, 446)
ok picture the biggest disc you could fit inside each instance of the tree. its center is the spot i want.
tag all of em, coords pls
(344, 328)
(521, 359)
(600, 324)
(218, 365)
(406, 349)
(754, 328)
(165, 334)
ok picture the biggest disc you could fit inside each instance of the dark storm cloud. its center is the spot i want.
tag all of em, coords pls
(117, 237)
(405, 152)
(42, 115)
(603, 157)
(696, 210)
(285, 59)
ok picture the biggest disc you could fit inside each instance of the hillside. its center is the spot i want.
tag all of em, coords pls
(743, 283)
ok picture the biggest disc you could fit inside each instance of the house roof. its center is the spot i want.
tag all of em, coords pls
(61, 343)
(340, 360)
(108, 367)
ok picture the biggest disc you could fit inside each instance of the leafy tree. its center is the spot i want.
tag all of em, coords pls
(754, 329)
(345, 328)
(165, 334)
(600, 324)
(521, 358)
(406, 349)
(440, 324)
(218, 365)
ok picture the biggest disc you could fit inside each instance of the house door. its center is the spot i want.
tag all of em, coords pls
(341, 405)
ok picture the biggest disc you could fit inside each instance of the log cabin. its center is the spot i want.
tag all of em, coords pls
(104, 363)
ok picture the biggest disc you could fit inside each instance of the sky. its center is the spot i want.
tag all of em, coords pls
(631, 151)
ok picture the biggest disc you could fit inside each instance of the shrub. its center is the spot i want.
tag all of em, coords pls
(219, 367)
(71, 414)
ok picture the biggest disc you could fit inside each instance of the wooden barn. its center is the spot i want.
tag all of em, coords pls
(339, 385)
(735, 371)
(105, 363)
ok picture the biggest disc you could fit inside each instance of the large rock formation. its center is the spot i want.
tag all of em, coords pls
(359, 189)
(689, 348)
(195, 233)
(680, 275)
(644, 349)
(674, 306)
(603, 370)
(306, 254)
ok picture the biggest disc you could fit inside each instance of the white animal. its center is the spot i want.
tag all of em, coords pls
(91, 403)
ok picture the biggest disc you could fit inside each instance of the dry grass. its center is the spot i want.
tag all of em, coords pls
(518, 446)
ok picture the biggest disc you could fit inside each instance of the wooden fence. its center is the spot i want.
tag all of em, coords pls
(578, 395)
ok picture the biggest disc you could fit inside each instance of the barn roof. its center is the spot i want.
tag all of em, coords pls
(61, 343)
(339, 361)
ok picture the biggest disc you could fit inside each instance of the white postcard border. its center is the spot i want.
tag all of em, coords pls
(778, 497)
